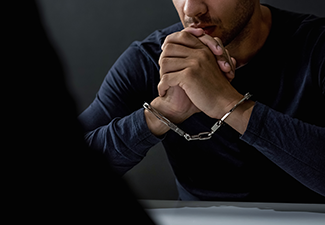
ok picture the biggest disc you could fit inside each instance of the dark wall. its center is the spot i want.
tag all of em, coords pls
(90, 35)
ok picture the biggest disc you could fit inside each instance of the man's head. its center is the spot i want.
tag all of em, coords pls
(225, 19)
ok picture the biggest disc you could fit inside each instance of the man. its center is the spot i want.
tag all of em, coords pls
(270, 147)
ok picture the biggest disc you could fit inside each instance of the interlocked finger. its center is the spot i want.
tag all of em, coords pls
(225, 54)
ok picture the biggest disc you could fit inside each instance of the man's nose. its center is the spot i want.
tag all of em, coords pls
(195, 8)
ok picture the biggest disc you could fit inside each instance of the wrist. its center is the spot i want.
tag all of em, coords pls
(239, 118)
(156, 127)
(236, 111)
(225, 104)
(168, 110)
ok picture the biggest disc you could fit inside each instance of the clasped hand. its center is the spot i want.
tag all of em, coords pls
(195, 76)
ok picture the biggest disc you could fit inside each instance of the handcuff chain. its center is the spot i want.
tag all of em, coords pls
(201, 136)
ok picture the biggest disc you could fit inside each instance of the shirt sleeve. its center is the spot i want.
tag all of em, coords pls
(296, 147)
(114, 123)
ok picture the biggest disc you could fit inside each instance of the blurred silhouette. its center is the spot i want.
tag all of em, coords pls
(50, 174)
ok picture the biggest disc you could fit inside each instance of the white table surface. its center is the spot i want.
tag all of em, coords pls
(230, 213)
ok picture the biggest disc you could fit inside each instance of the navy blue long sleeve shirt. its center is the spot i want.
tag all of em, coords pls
(280, 157)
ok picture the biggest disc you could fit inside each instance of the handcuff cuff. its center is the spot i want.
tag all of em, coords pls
(201, 136)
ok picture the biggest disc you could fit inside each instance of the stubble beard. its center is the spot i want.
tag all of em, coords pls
(234, 31)
(239, 26)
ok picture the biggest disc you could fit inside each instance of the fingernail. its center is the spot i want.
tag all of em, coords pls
(227, 64)
(219, 48)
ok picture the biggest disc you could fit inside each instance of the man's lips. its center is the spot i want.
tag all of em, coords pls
(209, 30)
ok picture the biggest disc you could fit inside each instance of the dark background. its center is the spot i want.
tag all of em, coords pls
(89, 36)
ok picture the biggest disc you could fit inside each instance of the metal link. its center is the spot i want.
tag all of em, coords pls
(216, 126)
(201, 136)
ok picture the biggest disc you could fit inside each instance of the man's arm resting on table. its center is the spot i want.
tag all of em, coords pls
(295, 146)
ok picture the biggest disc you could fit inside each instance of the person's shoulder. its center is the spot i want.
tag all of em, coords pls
(289, 21)
(151, 45)
(290, 28)
(303, 36)
(159, 35)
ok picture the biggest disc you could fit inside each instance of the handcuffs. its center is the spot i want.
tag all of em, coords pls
(204, 135)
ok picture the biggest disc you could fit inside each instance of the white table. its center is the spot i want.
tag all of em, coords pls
(230, 213)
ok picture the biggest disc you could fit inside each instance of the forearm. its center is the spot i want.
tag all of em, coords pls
(296, 147)
(124, 141)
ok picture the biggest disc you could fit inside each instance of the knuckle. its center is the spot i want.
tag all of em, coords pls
(203, 54)
(194, 63)
(163, 62)
(168, 47)
(172, 37)
(168, 37)
(184, 36)
(190, 72)
(183, 33)
(163, 79)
